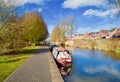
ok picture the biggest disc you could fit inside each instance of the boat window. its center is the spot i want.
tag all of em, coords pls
(57, 54)
(68, 52)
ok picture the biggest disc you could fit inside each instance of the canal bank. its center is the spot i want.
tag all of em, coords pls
(96, 44)
(40, 67)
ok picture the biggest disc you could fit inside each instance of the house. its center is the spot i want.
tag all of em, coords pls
(81, 36)
(85, 36)
(93, 35)
(115, 32)
(103, 33)
(78, 36)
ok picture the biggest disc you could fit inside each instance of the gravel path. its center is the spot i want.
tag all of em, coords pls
(35, 69)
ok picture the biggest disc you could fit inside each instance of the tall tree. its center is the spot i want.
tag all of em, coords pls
(8, 31)
(56, 35)
(34, 28)
(10, 36)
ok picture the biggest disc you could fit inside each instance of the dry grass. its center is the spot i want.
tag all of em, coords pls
(100, 44)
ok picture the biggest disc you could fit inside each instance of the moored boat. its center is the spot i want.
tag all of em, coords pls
(62, 56)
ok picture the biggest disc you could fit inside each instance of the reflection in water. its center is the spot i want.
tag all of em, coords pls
(115, 56)
(94, 66)
(65, 70)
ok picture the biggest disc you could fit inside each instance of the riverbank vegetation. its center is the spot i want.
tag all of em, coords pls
(18, 31)
(64, 28)
(8, 63)
(28, 31)
(100, 44)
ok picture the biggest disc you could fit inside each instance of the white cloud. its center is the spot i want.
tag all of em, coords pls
(110, 70)
(40, 10)
(73, 4)
(77, 78)
(22, 2)
(100, 13)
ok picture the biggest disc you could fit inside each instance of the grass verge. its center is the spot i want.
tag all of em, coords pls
(8, 63)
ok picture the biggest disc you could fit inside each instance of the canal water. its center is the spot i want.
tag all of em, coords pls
(94, 66)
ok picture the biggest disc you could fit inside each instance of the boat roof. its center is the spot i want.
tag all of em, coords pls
(60, 49)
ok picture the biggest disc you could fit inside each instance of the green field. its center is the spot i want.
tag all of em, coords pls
(8, 63)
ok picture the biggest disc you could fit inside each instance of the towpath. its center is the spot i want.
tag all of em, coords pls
(40, 67)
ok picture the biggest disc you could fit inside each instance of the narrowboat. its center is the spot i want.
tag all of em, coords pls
(62, 56)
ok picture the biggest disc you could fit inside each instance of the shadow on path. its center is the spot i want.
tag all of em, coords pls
(41, 51)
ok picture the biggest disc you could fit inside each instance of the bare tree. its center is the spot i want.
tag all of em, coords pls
(67, 26)
(63, 26)
(7, 11)
(71, 23)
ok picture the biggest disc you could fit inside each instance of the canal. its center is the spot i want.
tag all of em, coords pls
(94, 66)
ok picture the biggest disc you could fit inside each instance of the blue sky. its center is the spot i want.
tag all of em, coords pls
(90, 15)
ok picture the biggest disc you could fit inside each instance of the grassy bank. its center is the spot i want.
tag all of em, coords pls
(8, 63)
(100, 44)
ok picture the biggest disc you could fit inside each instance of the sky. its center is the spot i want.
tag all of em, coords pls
(90, 15)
